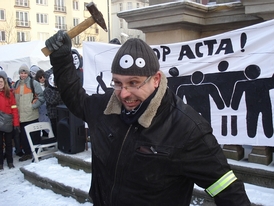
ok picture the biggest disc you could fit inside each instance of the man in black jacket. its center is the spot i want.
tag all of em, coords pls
(148, 147)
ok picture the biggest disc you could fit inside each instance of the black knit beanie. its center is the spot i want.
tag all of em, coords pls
(135, 58)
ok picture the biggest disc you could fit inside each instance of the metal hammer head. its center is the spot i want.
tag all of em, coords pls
(97, 15)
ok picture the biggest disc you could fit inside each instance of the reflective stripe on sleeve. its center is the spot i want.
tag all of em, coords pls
(221, 184)
(13, 106)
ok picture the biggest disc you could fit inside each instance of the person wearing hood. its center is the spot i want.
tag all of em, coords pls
(33, 70)
(78, 63)
(29, 97)
(53, 99)
(8, 106)
(43, 116)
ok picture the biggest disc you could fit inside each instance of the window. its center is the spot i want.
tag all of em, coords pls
(42, 2)
(77, 40)
(2, 14)
(75, 5)
(23, 36)
(75, 21)
(121, 23)
(60, 23)
(22, 19)
(2, 36)
(129, 5)
(121, 6)
(24, 3)
(90, 38)
(42, 18)
(59, 6)
(137, 5)
(85, 6)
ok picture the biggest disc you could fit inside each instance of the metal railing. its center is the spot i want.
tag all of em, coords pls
(60, 8)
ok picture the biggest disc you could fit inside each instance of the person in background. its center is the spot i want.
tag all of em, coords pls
(53, 99)
(33, 70)
(78, 62)
(115, 41)
(28, 101)
(43, 116)
(8, 106)
(15, 134)
(148, 146)
(48, 73)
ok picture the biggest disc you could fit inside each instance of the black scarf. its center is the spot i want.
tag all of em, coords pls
(132, 116)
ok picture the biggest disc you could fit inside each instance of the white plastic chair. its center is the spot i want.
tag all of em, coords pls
(42, 149)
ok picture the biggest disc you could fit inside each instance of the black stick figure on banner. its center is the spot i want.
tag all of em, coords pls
(197, 95)
(257, 100)
(225, 82)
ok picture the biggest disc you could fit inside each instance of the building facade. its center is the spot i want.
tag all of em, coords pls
(119, 28)
(28, 20)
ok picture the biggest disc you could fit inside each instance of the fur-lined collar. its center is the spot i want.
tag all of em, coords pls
(114, 105)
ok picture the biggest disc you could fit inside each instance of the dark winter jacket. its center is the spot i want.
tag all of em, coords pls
(155, 161)
(53, 99)
(28, 102)
(8, 106)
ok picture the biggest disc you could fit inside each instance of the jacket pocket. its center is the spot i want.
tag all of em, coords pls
(150, 164)
(152, 150)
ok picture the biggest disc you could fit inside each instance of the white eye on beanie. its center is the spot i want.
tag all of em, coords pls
(135, 58)
(24, 68)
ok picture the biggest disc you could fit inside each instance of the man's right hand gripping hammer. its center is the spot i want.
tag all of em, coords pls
(59, 44)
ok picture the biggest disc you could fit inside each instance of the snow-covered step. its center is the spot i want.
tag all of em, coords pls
(79, 161)
(49, 174)
(70, 175)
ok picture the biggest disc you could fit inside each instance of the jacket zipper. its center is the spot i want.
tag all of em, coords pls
(116, 167)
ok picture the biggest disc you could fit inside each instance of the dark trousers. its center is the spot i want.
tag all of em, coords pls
(53, 122)
(7, 136)
(17, 142)
(35, 136)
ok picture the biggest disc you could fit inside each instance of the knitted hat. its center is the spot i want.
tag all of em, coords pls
(33, 70)
(24, 68)
(135, 58)
(3, 74)
(1, 68)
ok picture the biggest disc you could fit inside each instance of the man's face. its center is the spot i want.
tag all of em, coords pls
(131, 97)
(76, 60)
(23, 75)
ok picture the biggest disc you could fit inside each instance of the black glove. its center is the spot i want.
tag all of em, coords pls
(17, 129)
(59, 44)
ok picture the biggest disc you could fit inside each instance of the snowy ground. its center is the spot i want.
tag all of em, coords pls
(15, 190)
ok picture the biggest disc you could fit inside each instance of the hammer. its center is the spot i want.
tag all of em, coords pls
(96, 17)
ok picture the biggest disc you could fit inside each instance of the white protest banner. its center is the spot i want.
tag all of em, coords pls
(227, 78)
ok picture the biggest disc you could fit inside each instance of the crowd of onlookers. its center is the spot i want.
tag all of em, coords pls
(32, 98)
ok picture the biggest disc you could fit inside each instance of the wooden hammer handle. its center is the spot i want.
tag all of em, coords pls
(74, 32)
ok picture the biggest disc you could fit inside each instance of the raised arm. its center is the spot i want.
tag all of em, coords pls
(66, 79)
